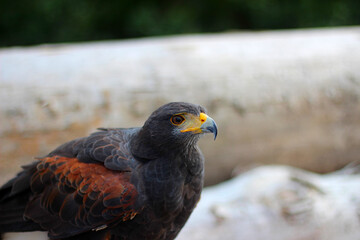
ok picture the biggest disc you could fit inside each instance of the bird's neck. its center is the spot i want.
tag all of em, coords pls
(146, 148)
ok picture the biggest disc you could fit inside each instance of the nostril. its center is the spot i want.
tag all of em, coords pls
(202, 117)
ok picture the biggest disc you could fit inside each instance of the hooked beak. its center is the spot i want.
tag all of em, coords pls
(203, 124)
(209, 126)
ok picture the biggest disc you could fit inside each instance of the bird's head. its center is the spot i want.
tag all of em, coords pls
(180, 121)
(177, 124)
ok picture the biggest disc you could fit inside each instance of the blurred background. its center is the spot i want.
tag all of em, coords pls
(280, 95)
(281, 79)
(36, 22)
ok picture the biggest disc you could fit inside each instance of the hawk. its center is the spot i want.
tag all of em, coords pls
(117, 183)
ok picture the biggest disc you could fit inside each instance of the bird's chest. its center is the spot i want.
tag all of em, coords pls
(170, 200)
(169, 193)
(170, 188)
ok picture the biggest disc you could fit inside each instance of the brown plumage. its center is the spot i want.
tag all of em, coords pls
(136, 183)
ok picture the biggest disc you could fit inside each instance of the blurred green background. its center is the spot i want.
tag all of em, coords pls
(24, 22)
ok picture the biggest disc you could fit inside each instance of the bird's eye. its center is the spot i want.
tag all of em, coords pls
(177, 119)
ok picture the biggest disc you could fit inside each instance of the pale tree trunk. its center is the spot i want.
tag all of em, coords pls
(289, 97)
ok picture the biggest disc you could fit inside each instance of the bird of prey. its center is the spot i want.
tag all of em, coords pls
(118, 183)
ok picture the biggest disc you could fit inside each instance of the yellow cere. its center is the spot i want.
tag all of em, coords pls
(195, 123)
(203, 117)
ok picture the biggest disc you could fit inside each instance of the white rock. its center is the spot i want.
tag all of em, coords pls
(278, 203)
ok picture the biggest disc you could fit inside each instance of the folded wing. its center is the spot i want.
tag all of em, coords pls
(71, 197)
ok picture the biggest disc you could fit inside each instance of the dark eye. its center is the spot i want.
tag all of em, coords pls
(177, 119)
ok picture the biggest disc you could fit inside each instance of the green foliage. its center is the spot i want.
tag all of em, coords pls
(24, 22)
